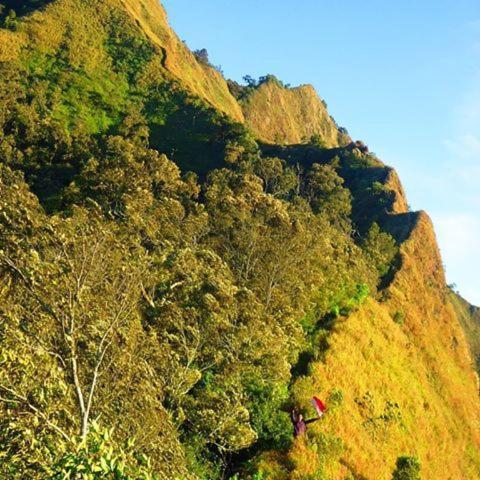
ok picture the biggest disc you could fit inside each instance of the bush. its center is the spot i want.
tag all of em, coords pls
(99, 458)
(399, 317)
(202, 56)
(317, 141)
(381, 249)
(407, 468)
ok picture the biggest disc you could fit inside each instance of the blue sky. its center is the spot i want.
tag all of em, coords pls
(402, 76)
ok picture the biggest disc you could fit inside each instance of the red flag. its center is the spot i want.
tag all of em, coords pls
(319, 406)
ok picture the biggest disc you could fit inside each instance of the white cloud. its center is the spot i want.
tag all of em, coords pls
(465, 146)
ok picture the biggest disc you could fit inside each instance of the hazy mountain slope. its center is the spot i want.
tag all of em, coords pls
(469, 316)
(281, 115)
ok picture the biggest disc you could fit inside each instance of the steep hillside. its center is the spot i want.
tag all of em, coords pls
(180, 267)
(397, 372)
(200, 79)
(281, 115)
(469, 316)
(151, 21)
(93, 68)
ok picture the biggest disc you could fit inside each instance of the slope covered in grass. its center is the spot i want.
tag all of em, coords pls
(89, 68)
(398, 376)
(199, 78)
(170, 289)
(281, 115)
(469, 316)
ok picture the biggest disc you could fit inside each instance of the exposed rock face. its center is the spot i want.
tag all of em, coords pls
(276, 114)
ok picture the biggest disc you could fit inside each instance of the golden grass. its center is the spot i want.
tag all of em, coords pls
(290, 116)
(423, 365)
(200, 79)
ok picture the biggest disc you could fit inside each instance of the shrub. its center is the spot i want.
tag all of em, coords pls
(407, 468)
(399, 317)
(381, 249)
(202, 56)
(100, 458)
(317, 141)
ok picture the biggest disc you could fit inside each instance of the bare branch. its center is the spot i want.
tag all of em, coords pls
(21, 399)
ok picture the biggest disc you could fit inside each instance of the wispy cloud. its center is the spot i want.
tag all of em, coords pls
(458, 222)
(458, 235)
(466, 146)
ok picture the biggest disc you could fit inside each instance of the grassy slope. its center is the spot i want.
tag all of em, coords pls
(277, 114)
(200, 79)
(469, 316)
(46, 30)
(273, 113)
(423, 365)
(407, 349)
(87, 65)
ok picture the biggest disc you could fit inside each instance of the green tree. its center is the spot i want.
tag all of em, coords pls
(72, 342)
(278, 179)
(407, 468)
(326, 194)
(317, 141)
(380, 248)
(98, 457)
(10, 20)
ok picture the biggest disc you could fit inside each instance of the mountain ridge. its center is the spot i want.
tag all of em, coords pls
(281, 115)
(268, 258)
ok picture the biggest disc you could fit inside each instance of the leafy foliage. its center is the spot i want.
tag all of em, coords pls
(407, 468)
(381, 249)
(170, 307)
(97, 457)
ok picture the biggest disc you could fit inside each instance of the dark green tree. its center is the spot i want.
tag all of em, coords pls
(380, 248)
(407, 468)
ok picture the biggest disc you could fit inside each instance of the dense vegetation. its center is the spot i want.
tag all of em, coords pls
(167, 284)
(151, 300)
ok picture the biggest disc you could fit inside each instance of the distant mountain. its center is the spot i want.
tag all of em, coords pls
(469, 317)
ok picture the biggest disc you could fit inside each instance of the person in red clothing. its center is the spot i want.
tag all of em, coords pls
(299, 424)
